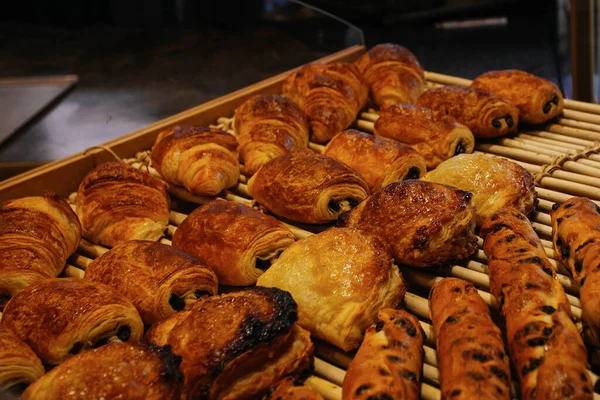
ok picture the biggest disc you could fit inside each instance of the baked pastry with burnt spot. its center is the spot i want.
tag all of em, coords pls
(292, 388)
(18, 363)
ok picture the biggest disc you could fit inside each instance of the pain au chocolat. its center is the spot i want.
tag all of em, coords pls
(18, 363)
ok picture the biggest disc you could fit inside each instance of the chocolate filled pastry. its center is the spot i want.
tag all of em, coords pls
(485, 114)
(203, 160)
(269, 126)
(114, 371)
(471, 356)
(545, 346)
(356, 263)
(537, 99)
(58, 318)
(237, 242)
(379, 161)
(393, 73)
(389, 362)
(292, 388)
(37, 235)
(158, 279)
(236, 345)
(304, 186)
(18, 363)
(425, 224)
(117, 203)
(494, 181)
(330, 95)
(436, 136)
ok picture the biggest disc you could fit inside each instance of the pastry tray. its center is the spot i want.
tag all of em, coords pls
(563, 156)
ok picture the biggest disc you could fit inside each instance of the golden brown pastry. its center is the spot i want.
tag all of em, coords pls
(537, 99)
(37, 235)
(425, 224)
(393, 73)
(471, 356)
(486, 114)
(236, 241)
(203, 160)
(304, 186)
(340, 279)
(114, 371)
(269, 126)
(494, 181)
(545, 346)
(158, 279)
(236, 345)
(436, 136)
(330, 95)
(62, 317)
(380, 162)
(389, 362)
(292, 388)
(117, 203)
(18, 363)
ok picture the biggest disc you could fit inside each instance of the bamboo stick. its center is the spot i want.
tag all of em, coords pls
(581, 116)
(543, 204)
(328, 390)
(574, 132)
(525, 136)
(72, 272)
(319, 148)
(176, 218)
(90, 248)
(366, 126)
(80, 261)
(330, 372)
(560, 137)
(171, 230)
(165, 241)
(578, 124)
(582, 106)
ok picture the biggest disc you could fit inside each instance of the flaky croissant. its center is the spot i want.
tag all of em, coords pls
(18, 363)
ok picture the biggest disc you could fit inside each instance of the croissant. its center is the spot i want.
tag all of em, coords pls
(537, 99)
(380, 162)
(58, 318)
(37, 235)
(426, 224)
(114, 371)
(203, 160)
(304, 186)
(393, 73)
(436, 136)
(292, 388)
(18, 363)
(117, 203)
(158, 279)
(268, 127)
(330, 95)
(486, 114)
(236, 241)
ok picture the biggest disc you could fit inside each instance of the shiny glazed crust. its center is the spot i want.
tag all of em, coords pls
(292, 388)
(18, 363)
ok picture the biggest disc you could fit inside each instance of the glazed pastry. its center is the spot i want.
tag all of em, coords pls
(237, 242)
(494, 181)
(389, 362)
(158, 279)
(117, 203)
(356, 263)
(436, 136)
(292, 388)
(236, 345)
(426, 224)
(18, 363)
(537, 99)
(62, 317)
(304, 186)
(203, 160)
(545, 346)
(330, 95)
(380, 162)
(114, 371)
(485, 114)
(393, 73)
(269, 126)
(37, 235)
(471, 356)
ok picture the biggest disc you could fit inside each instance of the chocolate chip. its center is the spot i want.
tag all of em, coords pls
(395, 359)
(459, 149)
(496, 123)
(451, 320)
(499, 372)
(509, 121)
(201, 293)
(476, 375)
(535, 342)
(455, 393)
(413, 173)
(548, 309)
(555, 206)
(408, 375)
(510, 238)
(379, 326)
(565, 252)
(548, 331)
(533, 365)
(76, 348)
(383, 372)
(124, 333)
(362, 388)
(555, 100)
(176, 302)
(547, 107)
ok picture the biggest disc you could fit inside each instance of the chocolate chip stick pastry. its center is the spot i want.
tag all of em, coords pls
(545, 346)
(18, 363)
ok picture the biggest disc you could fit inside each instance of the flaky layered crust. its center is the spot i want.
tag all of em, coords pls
(537, 99)
(269, 126)
(203, 160)
(158, 279)
(292, 388)
(304, 186)
(18, 363)
(58, 318)
(357, 263)
(425, 224)
(485, 114)
(389, 362)
(380, 162)
(117, 203)
(436, 136)
(471, 356)
(545, 346)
